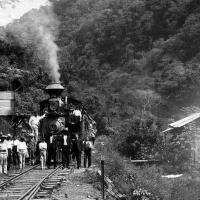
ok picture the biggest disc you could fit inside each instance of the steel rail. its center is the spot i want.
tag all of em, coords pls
(17, 176)
(34, 189)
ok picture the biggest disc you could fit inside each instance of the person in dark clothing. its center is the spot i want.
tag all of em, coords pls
(15, 154)
(77, 149)
(51, 152)
(31, 149)
(66, 147)
(9, 146)
(87, 146)
(73, 141)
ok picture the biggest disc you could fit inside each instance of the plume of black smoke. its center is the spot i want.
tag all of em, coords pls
(39, 29)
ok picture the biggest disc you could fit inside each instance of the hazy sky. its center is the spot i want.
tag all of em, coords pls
(14, 9)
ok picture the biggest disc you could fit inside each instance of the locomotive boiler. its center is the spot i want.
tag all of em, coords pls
(62, 114)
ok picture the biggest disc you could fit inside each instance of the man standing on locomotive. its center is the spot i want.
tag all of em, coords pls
(34, 124)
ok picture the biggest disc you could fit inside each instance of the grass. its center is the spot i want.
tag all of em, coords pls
(144, 183)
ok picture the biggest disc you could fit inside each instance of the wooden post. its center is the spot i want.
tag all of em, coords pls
(102, 175)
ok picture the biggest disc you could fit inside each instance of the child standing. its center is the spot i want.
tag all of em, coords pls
(43, 153)
(22, 149)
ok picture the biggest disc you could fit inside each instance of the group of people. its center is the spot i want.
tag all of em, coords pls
(78, 146)
(17, 150)
(71, 146)
(12, 151)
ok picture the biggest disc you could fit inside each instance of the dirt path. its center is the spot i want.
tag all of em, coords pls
(78, 185)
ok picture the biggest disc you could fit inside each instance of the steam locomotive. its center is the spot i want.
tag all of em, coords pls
(62, 115)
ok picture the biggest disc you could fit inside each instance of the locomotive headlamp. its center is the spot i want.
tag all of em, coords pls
(53, 127)
(53, 105)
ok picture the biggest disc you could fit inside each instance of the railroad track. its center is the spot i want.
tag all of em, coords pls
(31, 184)
(12, 176)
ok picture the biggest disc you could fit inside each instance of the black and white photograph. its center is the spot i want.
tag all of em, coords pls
(100, 99)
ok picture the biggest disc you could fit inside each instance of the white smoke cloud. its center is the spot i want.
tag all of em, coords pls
(51, 49)
(14, 9)
(37, 26)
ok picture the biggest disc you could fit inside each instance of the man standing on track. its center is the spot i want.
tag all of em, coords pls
(31, 149)
(77, 149)
(15, 154)
(66, 146)
(3, 155)
(88, 146)
(9, 146)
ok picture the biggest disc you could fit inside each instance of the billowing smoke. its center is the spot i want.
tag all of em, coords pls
(37, 28)
(14, 9)
(50, 49)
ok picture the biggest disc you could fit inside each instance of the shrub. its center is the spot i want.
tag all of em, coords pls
(127, 178)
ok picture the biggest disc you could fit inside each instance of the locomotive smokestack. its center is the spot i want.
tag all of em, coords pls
(54, 89)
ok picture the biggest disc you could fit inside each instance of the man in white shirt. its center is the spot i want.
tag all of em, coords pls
(77, 113)
(43, 153)
(9, 146)
(34, 123)
(3, 155)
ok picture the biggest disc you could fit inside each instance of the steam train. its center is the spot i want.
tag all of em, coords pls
(63, 115)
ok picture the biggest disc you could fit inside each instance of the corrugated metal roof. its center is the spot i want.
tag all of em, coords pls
(185, 120)
(182, 122)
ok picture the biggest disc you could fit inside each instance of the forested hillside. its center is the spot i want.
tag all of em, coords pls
(134, 63)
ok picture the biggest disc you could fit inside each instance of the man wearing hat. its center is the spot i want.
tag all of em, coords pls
(3, 155)
(9, 146)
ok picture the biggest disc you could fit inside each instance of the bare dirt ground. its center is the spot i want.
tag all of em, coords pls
(78, 185)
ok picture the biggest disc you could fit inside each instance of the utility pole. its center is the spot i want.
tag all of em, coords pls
(102, 172)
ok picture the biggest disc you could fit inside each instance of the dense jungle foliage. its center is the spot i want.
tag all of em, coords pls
(134, 64)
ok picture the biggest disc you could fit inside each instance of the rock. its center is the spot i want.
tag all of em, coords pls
(66, 195)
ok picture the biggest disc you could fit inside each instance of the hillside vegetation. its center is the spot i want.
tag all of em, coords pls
(133, 63)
